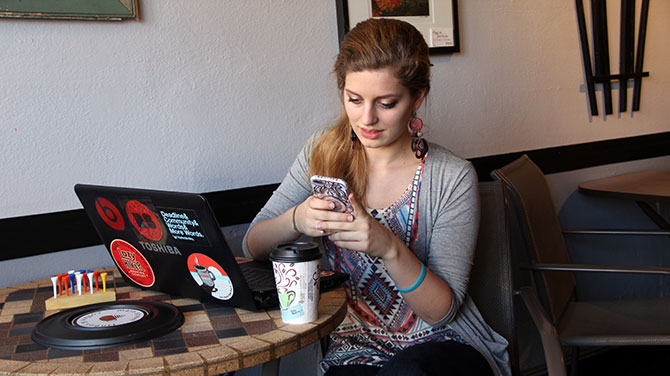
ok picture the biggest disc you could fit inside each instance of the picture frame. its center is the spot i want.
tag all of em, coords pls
(437, 20)
(98, 10)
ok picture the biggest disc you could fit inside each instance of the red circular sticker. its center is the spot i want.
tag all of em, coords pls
(144, 220)
(132, 263)
(109, 213)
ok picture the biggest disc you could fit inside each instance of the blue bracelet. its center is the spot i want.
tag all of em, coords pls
(418, 281)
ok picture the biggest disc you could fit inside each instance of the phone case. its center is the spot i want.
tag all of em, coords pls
(333, 189)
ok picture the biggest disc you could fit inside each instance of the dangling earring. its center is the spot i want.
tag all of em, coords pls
(353, 139)
(419, 144)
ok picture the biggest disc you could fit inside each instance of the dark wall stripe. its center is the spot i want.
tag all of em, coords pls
(43, 233)
(52, 232)
(578, 156)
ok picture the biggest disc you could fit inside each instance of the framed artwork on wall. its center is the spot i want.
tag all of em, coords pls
(437, 20)
(101, 10)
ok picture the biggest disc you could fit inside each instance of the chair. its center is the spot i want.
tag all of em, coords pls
(491, 277)
(550, 297)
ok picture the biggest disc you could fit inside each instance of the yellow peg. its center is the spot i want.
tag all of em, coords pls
(104, 281)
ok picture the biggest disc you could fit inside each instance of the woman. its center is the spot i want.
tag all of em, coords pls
(409, 245)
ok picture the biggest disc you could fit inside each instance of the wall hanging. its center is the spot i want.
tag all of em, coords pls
(630, 60)
(437, 20)
(98, 10)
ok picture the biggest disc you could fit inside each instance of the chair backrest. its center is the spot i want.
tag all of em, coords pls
(531, 205)
(491, 276)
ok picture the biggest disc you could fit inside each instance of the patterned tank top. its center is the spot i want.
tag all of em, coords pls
(379, 323)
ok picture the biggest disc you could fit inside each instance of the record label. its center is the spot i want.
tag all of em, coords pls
(106, 318)
(131, 262)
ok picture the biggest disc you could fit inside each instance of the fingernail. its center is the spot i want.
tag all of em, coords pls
(332, 206)
(350, 218)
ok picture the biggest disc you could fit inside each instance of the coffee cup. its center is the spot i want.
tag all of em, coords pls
(296, 269)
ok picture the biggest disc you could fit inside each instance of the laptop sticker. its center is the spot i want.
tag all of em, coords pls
(131, 262)
(183, 225)
(144, 220)
(109, 213)
(210, 276)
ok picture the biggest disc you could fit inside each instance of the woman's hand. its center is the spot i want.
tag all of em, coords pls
(364, 233)
(313, 212)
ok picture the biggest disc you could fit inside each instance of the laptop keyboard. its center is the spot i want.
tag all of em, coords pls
(258, 278)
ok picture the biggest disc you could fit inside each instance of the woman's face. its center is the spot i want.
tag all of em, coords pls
(379, 107)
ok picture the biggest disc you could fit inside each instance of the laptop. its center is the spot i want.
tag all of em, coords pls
(171, 242)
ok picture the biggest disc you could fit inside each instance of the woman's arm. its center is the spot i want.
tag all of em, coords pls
(453, 234)
(266, 234)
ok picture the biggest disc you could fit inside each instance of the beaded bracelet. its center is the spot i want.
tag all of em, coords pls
(418, 281)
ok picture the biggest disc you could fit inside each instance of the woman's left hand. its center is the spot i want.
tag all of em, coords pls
(363, 233)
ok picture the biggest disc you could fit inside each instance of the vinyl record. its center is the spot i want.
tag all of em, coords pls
(108, 324)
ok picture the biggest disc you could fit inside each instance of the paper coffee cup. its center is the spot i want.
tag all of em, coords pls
(296, 269)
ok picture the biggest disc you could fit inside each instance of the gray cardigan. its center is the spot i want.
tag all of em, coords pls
(448, 224)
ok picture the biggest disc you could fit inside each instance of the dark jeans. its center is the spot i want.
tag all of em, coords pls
(425, 359)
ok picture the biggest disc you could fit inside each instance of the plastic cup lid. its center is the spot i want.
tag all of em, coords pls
(296, 252)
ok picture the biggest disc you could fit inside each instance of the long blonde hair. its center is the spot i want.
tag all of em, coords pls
(371, 45)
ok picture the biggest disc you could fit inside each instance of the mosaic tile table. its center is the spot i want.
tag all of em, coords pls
(213, 339)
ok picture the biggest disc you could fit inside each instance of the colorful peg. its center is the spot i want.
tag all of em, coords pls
(60, 284)
(65, 278)
(90, 280)
(54, 283)
(95, 275)
(83, 272)
(104, 281)
(79, 277)
(72, 281)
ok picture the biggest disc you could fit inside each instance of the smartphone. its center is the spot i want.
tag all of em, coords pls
(333, 189)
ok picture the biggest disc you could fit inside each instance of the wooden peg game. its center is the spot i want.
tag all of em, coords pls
(75, 289)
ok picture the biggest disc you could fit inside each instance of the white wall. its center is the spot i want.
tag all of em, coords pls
(210, 95)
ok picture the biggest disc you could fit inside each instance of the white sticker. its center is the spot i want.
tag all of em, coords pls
(442, 37)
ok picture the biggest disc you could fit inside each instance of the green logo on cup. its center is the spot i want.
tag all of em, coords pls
(286, 298)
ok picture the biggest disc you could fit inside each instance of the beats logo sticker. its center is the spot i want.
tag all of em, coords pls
(109, 213)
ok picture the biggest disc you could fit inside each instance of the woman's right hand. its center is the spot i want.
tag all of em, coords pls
(311, 213)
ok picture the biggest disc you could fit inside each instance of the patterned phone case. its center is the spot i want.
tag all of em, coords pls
(333, 189)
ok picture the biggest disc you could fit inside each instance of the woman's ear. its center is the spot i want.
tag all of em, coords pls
(418, 100)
